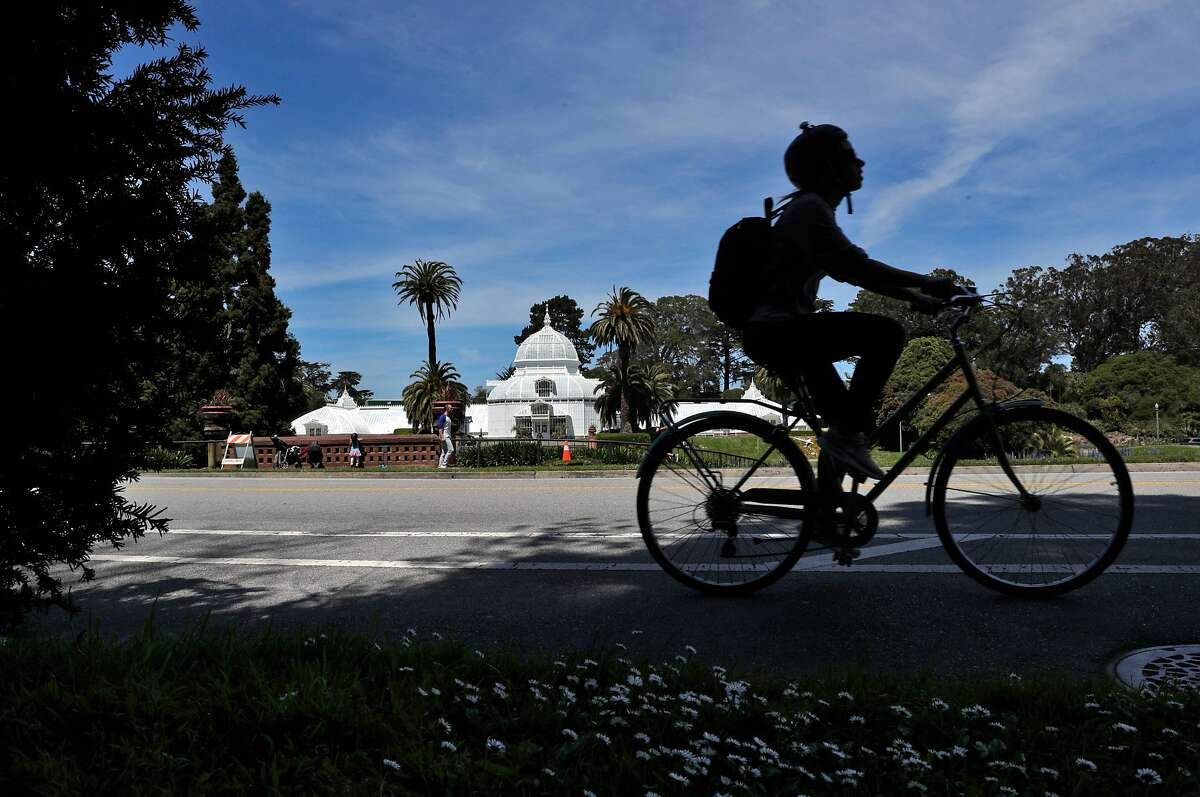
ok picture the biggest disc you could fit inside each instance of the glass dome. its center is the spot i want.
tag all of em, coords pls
(547, 346)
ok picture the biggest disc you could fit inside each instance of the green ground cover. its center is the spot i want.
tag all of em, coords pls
(324, 713)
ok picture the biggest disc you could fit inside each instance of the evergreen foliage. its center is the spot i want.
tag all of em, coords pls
(693, 345)
(920, 360)
(317, 382)
(232, 329)
(264, 371)
(98, 223)
(1121, 393)
(348, 381)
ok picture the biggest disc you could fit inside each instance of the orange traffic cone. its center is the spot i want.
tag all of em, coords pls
(566, 451)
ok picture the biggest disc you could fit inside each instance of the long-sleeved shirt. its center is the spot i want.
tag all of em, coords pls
(809, 245)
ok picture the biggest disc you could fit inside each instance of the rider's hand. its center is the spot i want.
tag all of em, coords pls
(942, 288)
(925, 304)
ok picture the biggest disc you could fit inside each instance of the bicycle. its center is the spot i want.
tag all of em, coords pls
(1026, 499)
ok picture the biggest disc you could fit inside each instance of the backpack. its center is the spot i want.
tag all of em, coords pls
(745, 257)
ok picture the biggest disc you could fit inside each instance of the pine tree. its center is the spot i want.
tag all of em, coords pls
(264, 365)
(231, 328)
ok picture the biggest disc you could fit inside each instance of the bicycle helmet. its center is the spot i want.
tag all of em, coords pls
(807, 156)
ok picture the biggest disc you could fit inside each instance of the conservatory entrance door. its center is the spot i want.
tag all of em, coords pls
(540, 415)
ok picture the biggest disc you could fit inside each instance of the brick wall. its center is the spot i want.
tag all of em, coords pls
(393, 450)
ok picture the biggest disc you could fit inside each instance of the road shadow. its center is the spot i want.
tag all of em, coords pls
(945, 624)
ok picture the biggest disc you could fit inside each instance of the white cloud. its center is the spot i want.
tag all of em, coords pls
(565, 148)
(1022, 88)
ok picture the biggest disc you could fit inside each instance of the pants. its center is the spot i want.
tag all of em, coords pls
(447, 450)
(809, 345)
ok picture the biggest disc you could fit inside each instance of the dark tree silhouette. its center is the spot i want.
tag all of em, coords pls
(97, 223)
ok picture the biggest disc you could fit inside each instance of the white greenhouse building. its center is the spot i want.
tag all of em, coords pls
(546, 396)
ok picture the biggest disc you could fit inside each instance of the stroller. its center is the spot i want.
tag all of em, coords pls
(285, 455)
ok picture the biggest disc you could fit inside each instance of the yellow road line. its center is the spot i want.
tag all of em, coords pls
(472, 485)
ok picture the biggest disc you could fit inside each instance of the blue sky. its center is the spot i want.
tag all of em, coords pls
(557, 147)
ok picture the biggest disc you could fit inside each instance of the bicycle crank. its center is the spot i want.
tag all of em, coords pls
(857, 522)
(853, 525)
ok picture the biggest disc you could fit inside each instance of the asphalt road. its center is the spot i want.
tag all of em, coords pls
(548, 564)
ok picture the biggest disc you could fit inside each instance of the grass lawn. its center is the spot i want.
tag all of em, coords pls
(334, 713)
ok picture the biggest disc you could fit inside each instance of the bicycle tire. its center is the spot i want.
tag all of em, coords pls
(673, 504)
(1076, 525)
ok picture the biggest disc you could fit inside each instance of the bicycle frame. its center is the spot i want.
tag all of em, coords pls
(806, 411)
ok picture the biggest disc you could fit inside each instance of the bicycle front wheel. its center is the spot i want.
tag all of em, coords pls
(691, 510)
(1063, 531)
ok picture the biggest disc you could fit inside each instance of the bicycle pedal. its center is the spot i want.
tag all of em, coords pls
(846, 556)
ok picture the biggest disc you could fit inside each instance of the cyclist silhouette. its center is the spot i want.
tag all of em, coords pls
(786, 334)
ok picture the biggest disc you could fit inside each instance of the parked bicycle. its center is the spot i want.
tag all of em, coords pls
(1026, 499)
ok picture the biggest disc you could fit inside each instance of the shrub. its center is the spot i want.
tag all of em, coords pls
(509, 453)
(159, 458)
(608, 453)
(626, 437)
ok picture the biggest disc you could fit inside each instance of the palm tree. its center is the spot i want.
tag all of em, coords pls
(433, 287)
(626, 322)
(505, 373)
(1053, 443)
(640, 395)
(431, 382)
(772, 386)
(621, 393)
(660, 393)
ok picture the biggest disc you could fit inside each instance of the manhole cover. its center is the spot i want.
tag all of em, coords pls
(1173, 666)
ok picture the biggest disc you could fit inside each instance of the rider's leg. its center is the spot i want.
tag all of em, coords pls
(831, 337)
(877, 341)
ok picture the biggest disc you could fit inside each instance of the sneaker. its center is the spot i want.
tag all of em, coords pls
(851, 450)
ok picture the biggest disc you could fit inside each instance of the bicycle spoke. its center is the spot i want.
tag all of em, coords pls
(1069, 529)
(698, 531)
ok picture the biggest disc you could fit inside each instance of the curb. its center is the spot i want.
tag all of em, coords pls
(916, 470)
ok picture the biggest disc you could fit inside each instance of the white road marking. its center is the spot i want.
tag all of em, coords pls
(222, 532)
(586, 534)
(824, 565)
(816, 562)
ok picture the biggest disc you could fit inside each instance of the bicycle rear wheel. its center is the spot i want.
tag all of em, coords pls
(1065, 532)
(700, 531)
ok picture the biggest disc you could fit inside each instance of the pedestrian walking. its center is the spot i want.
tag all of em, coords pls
(445, 427)
(356, 453)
